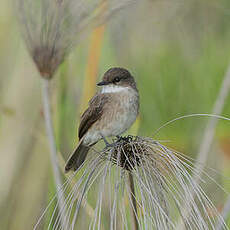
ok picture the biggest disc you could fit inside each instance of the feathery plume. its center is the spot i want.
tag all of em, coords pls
(162, 183)
(51, 27)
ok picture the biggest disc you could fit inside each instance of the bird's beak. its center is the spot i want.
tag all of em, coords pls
(102, 83)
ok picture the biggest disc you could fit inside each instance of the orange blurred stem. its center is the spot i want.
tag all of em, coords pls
(92, 65)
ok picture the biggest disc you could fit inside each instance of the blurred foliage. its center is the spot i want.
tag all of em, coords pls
(178, 52)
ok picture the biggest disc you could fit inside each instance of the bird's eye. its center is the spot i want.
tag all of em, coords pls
(116, 79)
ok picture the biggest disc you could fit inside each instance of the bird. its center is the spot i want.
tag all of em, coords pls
(111, 111)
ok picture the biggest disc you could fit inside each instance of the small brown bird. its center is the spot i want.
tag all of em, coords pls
(110, 113)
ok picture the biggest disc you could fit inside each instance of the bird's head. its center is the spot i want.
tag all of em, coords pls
(117, 78)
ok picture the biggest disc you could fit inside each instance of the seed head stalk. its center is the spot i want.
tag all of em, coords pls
(52, 145)
(133, 202)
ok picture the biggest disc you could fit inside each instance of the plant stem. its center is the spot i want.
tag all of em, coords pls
(90, 79)
(209, 134)
(210, 129)
(53, 150)
(133, 204)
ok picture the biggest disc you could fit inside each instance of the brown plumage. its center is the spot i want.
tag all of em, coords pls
(111, 112)
(92, 113)
(77, 157)
(88, 118)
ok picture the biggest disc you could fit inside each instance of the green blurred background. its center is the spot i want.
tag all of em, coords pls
(178, 51)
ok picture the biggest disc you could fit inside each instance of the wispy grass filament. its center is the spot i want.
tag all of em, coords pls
(163, 189)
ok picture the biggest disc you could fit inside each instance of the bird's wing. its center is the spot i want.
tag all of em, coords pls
(92, 113)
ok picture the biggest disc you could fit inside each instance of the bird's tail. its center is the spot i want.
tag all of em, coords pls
(77, 158)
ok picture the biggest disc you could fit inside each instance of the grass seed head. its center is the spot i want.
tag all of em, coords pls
(162, 181)
(52, 27)
(127, 153)
(47, 60)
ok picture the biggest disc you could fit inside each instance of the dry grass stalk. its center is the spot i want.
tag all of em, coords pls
(133, 202)
(52, 144)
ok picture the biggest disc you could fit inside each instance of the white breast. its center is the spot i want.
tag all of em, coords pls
(113, 89)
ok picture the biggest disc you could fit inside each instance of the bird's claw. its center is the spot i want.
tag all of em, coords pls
(117, 141)
(112, 145)
(107, 144)
(120, 138)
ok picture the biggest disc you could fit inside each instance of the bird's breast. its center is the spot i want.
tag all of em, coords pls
(120, 112)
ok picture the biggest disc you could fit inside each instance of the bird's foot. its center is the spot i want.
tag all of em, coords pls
(107, 144)
(112, 145)
(120, 138)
